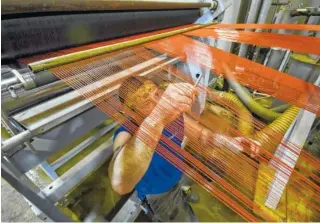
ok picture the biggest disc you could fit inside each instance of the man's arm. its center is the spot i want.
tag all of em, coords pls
(195, 132)
(133, 155)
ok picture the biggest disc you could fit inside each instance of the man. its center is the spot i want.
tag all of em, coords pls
(135, 165)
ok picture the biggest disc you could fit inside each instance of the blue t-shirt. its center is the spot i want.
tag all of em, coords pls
(161, 175)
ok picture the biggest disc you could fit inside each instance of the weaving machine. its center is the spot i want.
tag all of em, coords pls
(62, 64)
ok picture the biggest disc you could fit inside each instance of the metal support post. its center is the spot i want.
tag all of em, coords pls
(297, 135)
(48, 169)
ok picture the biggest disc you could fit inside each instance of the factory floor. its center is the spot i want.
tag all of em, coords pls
(14, 208)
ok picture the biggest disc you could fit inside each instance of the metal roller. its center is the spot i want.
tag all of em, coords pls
(41, 34)
(31, 6)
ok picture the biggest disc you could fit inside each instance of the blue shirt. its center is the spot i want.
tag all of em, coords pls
(161, 175)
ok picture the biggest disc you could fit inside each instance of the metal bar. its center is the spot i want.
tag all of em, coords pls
(44, 125)
(72, 57)
(16, 140)
(7, 124)
(25, 98)
(252, 18)
(208, 16)
(5, 83)
(297, 134)
(266, 4)
(32, 6)
(60, 187)
(129, 211)
(47, 168)
(285, 61)
(43, 204)
(76, 150)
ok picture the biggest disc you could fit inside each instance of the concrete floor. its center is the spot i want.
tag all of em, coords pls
(14, 208)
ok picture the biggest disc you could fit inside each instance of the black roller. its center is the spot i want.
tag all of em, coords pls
(28, 36)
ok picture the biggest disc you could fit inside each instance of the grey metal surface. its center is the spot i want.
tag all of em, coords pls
(50, 142)
(44, 125)
(6, 122)
(263, 14)
(210, 14)
(231, 15)
(16, 140)
(60, 187)
(284, 61)
(129, 211)
(27, 98)
(199, 75)
(275, 59)
(76, 150)
(251, 18)
(47, 168)
(5, 83)
(304, 71)
(286, 19)
(25, 80)
(42, 78)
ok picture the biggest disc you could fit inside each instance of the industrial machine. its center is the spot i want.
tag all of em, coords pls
(56, 144)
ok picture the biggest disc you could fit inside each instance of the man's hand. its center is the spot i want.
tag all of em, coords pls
(177, 99)
(245, 145)
(237, 144)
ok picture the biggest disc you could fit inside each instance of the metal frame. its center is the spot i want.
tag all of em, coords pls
(76, 150)
(43, 201)
(60, 187)
(130, 210)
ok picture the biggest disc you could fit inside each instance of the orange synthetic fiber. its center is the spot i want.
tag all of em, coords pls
(300, 44)
(235, 189)
(300, 27)
(254, 75)
(229, 175)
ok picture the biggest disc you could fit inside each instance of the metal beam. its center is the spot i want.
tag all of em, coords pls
(76, 150)
(60, 187)
(26, 98)
(297, 135)
(129, 211)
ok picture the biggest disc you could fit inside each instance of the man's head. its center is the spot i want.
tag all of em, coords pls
(139, 94)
